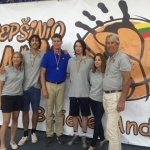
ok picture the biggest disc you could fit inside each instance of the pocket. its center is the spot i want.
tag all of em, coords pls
(118, 95)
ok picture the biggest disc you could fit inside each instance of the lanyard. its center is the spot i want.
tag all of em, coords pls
(78, 65)
(57, 61)
(111, 61)
(32, 60)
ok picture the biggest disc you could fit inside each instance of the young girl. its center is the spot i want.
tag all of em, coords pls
(11, 97)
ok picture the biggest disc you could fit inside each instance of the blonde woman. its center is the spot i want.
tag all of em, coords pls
(11, 97)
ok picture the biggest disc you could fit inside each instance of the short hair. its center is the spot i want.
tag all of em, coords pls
(83, 46)
(112, 36)
(37, 37)
(57, 36)
(103, 65)
(21, 64)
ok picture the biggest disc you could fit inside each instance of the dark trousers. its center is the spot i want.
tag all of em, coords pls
(98, 111)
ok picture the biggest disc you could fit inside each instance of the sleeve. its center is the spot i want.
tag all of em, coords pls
(44, 61)
(3, 76)
(68, 67)
(91, 63)
(125, 64)
(68, 56)
(90, 72)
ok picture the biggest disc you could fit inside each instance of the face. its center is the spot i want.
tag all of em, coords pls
(16, 59)
(56, 43)
(98, 62)
(112, 46)
(78, 48)
(34, 43)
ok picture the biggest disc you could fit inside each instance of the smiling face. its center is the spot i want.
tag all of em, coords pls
(112, 46)
(16, 59)
(57, 42)
(98, 62)
(35, 44)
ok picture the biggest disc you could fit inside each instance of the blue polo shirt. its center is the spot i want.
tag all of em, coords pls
(49, 62)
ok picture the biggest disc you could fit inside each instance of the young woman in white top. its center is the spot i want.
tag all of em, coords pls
(96, 98)
(11, 97)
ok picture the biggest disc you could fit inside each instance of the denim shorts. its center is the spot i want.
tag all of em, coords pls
(32, 96)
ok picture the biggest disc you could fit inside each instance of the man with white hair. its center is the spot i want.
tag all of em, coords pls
(116, 85)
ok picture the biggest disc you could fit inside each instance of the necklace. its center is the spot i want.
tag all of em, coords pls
(78, 65)
(111, 61)
(32, 60)
(57, 61)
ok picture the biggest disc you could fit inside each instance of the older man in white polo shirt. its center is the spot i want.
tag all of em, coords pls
(116, 86)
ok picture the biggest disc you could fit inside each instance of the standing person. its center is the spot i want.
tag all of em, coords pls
(116, 86)
(11, 97)
(96, 99)
(31, 86)
(53, 76)
(78, 70)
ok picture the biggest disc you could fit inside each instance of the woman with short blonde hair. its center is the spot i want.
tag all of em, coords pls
(11, 97)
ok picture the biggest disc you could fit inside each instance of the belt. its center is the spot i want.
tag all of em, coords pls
(54, 82)
(113, 91)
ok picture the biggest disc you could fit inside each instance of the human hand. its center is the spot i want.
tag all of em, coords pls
(121, 106)
(2, 70)
(45, 93)
(65, 52)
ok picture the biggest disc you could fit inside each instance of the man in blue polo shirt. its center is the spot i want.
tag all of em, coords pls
(53, 76)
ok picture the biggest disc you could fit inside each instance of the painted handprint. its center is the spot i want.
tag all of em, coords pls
(134, 35)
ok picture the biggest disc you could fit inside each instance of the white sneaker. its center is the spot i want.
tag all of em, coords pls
(14, 145)
(23, 140)
(34, 138)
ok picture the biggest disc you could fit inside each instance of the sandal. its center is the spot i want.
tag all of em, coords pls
(102, 143)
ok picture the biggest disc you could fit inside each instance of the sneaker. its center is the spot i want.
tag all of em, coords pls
(34, 138)
(61, 139)
(13, 145)
(48, 142)
(74, 140)
(84, 144)
(23, 140)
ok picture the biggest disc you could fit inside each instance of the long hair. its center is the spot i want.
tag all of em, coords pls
(83, 47)
(103, 65)
(21, 64)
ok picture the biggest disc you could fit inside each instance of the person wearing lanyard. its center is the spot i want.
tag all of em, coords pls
(96, 99)
(11, 97)
(116, 85)
(78, 70)
(31, 87)
(53, 76)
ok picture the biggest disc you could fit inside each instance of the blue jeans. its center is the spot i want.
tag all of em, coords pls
(33, 96)
(98, 111)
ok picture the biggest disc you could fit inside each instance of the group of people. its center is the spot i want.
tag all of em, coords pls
(94, 83)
